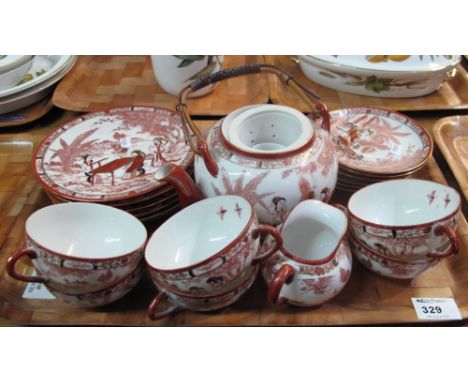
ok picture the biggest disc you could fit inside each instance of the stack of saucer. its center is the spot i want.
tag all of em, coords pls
(375, 144)
(111, 157)
(32, 81)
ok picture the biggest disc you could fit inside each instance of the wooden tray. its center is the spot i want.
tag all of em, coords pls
(367, 299)
(101, 82)
(27, 114)
(453, 94)
(451, 136)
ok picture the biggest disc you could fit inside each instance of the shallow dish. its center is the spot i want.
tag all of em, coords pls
(380, 76)
(379, 141)
(10, 62)
(12, 77)
(111, 155)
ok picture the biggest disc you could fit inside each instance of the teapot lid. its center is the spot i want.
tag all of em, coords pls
(267, 130)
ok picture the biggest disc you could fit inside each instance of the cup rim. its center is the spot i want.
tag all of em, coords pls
(404, 227)
(214, 256)
(84, 259)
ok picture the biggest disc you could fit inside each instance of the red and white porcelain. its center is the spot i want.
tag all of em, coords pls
(407, 218)
(111, 155)
(314, 263)
(104, 296)
(169, 301)
(80, 247)
(387, 266)
(378, 141)
(271, 155)
(393, 76)
(208, 245)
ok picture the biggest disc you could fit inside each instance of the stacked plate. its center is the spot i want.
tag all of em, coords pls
(35, 83)
(111, 157)
(376, 144)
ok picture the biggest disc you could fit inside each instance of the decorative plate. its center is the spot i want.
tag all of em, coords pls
(111, 155)
(42, 69)
(379, 141)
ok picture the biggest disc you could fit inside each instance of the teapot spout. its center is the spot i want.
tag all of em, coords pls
(186, 189)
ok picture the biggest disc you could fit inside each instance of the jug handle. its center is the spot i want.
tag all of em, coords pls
(318, 110)
(284, 275)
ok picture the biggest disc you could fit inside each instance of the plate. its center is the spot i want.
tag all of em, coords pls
(379, 141)
(111, 155)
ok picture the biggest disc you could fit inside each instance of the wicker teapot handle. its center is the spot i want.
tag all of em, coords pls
(318, 110)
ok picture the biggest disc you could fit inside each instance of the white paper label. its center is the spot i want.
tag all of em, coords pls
(395, 149)
(37, 291)
(436, 308)
(125, 142)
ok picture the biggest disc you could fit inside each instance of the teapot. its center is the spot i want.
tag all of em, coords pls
(272, 155)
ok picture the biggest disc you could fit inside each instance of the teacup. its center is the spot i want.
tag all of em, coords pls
(103, 296)
(386, 266)
(208, 245)
(168, 301)
(408, 219)
(314, 263)
(80, 247)
(174, 73)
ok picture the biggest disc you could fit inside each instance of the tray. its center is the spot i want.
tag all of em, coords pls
(27, 114)
(453, 94)
(102, 82)
(367, 299)
(451, 136)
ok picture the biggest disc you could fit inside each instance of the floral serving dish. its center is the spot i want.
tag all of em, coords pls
(393, 76)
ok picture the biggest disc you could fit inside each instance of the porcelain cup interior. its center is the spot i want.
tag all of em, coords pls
(313, 230)
(86, 231)
(270, 129)
(198, 232)
(403, 203)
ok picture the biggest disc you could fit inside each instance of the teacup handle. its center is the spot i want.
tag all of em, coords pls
(268, 229)
(454, 242)
(284, 275)
(154, 305)
(11, 263)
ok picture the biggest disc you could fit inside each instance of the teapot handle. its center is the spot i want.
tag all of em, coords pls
(319, 110)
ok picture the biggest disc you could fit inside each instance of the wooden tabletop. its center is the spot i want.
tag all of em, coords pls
(367, 299)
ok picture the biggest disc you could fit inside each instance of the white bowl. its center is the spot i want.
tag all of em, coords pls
(10, 62)
(14, 76)
(392, 76)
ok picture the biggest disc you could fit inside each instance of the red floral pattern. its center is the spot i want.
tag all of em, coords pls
(379, 141)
